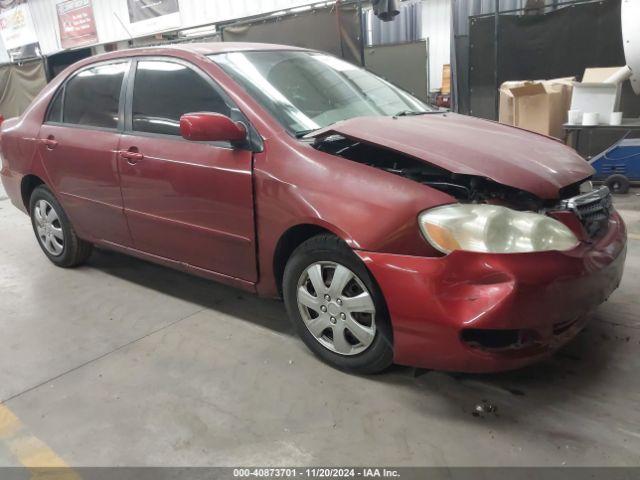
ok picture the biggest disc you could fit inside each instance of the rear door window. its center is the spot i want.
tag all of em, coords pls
(92, 97)
(164, 91)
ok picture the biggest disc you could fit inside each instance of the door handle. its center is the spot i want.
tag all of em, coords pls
(49, 142)
(132, 157)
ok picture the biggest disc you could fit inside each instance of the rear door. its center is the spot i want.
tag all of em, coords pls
(186, 201)
(78, 145)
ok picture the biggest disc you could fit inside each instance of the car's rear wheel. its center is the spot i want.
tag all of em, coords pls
(618, 183)
(54, 231)
(336, 306)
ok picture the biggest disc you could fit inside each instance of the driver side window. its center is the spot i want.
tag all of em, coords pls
(164, 91)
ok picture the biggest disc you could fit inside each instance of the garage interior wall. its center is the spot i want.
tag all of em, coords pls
(112, 17)
(112, 23)
(406, 27)
(435, 26)
(462, 11)
(588, 32)
(327, 29)
(405, 65)
(4, 56)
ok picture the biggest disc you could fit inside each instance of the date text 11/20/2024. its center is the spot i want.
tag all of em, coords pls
(316, 473)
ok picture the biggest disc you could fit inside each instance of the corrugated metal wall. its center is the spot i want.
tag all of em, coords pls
(45, 21)
(112, 22)
(4, 56)
(435, 25)
(406, 27)
(112, 17)
(196, 12)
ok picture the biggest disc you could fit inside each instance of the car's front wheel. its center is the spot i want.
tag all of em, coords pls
(54, 231)
(336, 307)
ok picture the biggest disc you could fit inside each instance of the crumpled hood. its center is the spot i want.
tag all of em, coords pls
(471, 146)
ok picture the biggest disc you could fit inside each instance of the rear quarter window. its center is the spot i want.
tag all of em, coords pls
(55, 108)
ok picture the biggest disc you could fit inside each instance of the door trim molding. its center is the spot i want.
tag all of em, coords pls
(232, 237)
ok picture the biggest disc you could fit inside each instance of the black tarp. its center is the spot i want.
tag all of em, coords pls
(460, 69)
(19, 85)
(333, 30)
(558, 44)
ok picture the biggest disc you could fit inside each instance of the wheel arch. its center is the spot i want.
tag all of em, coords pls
(28, 184)
(289, 241)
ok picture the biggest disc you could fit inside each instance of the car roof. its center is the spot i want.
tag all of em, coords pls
(209, 48)
(225, 47)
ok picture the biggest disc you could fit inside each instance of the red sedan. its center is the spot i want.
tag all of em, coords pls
(394, 232)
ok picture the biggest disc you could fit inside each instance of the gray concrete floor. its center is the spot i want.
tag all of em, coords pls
(122, 362)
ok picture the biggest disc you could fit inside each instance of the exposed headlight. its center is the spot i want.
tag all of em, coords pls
(493, 229)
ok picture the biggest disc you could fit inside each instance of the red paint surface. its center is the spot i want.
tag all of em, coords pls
(191, 202)
(220, 213)
(431, 300)
(211, 127)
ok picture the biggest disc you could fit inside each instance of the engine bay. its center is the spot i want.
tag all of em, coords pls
(465, 188)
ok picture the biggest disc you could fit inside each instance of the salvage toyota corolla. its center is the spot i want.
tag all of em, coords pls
(394, 233)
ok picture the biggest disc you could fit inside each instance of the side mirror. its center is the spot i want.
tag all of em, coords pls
(211, 127)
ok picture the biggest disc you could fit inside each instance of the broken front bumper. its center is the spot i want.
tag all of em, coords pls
(459, 312)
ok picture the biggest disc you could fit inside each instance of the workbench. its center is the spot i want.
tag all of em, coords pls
(574, 133)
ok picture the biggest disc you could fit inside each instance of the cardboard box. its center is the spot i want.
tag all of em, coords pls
(599, 92)
(540, 106)
(446, 79)
(599, 75)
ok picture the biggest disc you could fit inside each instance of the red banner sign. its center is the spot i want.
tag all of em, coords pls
(77, 23)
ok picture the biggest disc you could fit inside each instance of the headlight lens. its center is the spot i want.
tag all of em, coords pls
(493, 229)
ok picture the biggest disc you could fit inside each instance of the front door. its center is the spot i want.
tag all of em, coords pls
(78, 145)
(187, 201)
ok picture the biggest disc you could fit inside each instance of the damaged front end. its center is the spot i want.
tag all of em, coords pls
(465, 188)
(591, 207)
(526, 248)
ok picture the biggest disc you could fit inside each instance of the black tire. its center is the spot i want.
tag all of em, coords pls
(75, 251)
(618, 183)
(328, 248)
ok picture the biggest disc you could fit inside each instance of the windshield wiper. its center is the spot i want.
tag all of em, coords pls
(411, 113)
(304, 133)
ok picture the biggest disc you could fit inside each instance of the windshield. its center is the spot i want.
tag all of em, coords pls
(306, 91)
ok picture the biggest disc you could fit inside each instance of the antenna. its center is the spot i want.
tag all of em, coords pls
(123, 25)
